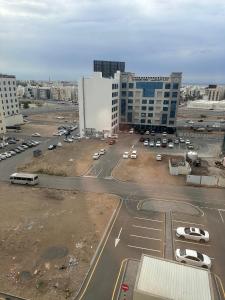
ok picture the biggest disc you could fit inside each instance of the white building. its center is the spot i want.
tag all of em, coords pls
(215, 92)
(9, 102)
(158, 278)
(99, 104)
(2, 121)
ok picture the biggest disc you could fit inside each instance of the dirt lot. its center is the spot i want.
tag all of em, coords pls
(52, 117)
(44, 130)
(47, 239)
(70, 160)
(146, 169)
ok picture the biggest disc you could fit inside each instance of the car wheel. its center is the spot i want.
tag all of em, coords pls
(182, 237)
(202, 241)
(205, 267)
(183, 262)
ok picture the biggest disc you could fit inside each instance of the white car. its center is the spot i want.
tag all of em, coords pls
(56, 134)
(126, 154)
(133, 154)
(192, 233)
(36, 134)
(151, 144)
(102, 151)
(68, 140)
(187, 142)
(164, 133)
(193, 257)
(191, 122)
(131, 131)
(147, 132)
(96, 155)
(158, 157)
(171, 145)
(158, 144)
(59, 144)
(145, 143)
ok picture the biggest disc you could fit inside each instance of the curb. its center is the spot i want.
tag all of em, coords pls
(97, 249)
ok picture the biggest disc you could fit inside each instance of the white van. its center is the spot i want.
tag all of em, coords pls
(24, 178)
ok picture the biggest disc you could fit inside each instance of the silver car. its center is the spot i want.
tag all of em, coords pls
(193, 233)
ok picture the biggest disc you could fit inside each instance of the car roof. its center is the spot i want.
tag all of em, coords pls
(191, 252)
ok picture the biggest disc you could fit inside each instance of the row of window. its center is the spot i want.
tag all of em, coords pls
(5, 89)
(115, 101)
(6, 101)
(115, 108)
(11, 106)
(168, 86)
(124, 94)
(13, 82)
(114, 116)
(166, 94)
(115, 94)
(115, 86)
(6, 95)
(114, 122)
(11, 113)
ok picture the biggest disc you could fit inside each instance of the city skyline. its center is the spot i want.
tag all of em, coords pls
(36, 41)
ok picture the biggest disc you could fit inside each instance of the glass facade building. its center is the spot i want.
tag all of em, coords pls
(108, 68)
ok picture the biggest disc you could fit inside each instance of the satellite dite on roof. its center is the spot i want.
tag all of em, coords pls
(158, 278)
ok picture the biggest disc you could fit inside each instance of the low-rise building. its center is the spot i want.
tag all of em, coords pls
(215, 92)
(179, 166)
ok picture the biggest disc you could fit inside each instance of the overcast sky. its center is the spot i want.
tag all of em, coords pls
(61, 38)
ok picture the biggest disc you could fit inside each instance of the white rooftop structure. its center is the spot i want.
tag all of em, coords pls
(158, 278)
(206, 104)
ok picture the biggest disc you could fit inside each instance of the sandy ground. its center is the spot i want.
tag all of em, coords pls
(70, 160)
(44, 130)
(52, 117)
(47, 239)
(146, 169)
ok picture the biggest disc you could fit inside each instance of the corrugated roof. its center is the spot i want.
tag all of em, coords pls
(172, 280)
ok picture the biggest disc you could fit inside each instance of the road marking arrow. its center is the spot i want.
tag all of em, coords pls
(118, 238)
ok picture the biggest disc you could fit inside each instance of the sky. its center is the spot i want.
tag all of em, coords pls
(61, 38)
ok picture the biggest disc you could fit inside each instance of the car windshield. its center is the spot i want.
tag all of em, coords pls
(187, 230)
(202, 232)
(200, 256)
(182, 252)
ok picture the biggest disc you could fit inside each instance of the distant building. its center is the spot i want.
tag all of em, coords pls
(99, 104)
(9, 102)
(149, 102)
(215, 92)
(108, 68)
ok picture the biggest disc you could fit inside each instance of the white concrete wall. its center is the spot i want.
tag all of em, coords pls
(95, 103)
(2, 121)
(14, 120)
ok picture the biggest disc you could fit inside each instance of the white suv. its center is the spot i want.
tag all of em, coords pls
(133, 154)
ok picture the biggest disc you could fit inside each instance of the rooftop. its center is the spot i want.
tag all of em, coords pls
(7, 76)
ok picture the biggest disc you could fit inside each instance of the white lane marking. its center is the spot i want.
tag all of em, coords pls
(145, 219)
(143, 227)
(118, 238)
(144, 237)
(205, 245)
(221, 215)
(184, 222)
(148, 249)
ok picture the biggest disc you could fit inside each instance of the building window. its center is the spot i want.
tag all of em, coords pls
(164, 118)
(165, 108)
(130, 94)
(123, 107)
(174, 94)
(166, 102)
(143, 115)
(171, 122)
(151, 101)
(130, 107)
(124, 93)
(143, 108)
(167, 86)
(151, 108)
(150, 115)
(144, 101)
(130, 101)
(142, 121)
(175, 86)
(149, 121)
(131, 85)
(149, 87)
(166, 94)
(129, 117)
(124, 85)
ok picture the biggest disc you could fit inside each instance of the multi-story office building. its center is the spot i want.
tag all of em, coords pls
(99, 104)
(108, 68)
(149, 102)
(10, 104)
(215, 92)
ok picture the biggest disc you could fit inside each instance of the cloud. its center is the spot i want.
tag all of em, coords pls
(42, 37)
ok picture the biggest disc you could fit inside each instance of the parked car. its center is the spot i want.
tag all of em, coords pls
(176, 141)
(141, 139)
(133, 154)
(112, 142)
(158, 144)
(192, 233)
(164, 133)
(187, 142)
(152, 132)
(182, 140)
(151, 144)
(96, 155)
(59, 144)
(12, 152)
(158, 157)
(190, 147)
(131, 130)
(68, 140)
(171, 145)
(126, 154)
(102, 151)
(145, 143)
(36, 134)
(11, 142)
(51, 147)
(193, 257)
(147, 132)
(16, 150)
